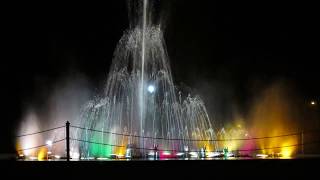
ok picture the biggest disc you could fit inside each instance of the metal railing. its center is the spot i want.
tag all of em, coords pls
(67, 139)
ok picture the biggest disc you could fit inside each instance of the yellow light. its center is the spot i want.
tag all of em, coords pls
(286, 152)
(272, 116)
(42, 154)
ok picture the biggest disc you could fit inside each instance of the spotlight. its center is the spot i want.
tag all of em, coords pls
(186, 148)
(151, 88)
(49, 143)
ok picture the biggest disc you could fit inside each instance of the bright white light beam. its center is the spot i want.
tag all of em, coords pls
(49, 143)
(151, 88)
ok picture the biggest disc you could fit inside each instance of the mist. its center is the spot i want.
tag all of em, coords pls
(53, 109)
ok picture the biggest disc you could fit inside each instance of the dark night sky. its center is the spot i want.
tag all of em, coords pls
(209, 43)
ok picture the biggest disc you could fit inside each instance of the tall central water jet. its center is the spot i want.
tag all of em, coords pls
(139, 106)
(142, 65)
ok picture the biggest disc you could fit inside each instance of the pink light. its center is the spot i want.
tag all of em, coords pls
(167, 154)
(247, 145)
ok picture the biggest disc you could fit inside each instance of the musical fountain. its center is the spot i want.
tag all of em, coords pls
(140, 106)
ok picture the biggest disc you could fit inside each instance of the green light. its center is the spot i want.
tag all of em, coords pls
(99, 150)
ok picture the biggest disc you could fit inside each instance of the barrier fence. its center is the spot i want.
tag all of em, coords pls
(67, 139)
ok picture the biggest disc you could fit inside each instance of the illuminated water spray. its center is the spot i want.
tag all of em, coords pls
(141, 109)
(140, 98)
(142, 65)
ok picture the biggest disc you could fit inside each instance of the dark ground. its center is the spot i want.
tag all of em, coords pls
(164, 169)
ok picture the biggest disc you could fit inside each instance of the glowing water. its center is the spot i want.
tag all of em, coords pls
(140, 100)
(142, 67)
(128, 107)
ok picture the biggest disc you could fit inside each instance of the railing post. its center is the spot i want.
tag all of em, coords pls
(302, 143)
(67, 140)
